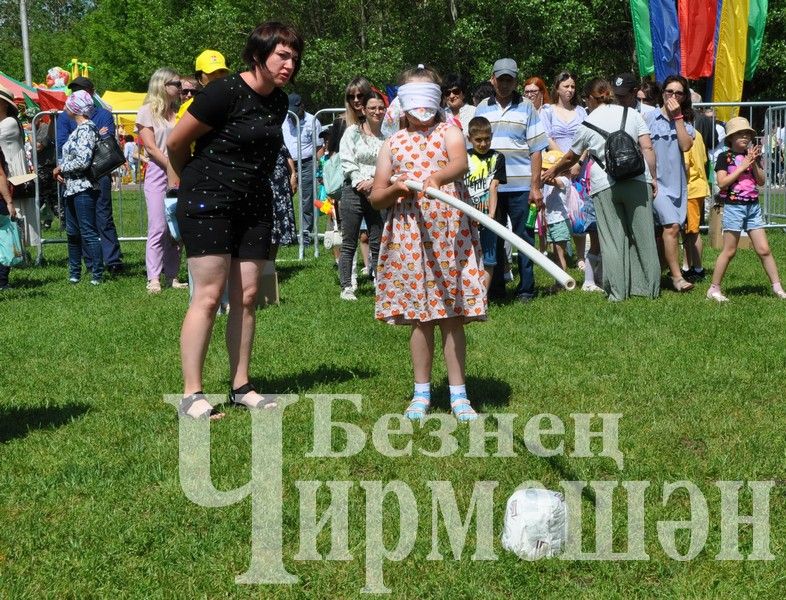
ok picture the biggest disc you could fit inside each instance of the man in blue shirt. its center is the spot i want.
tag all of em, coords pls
(310, 129)
(519, 135)
(105, 223)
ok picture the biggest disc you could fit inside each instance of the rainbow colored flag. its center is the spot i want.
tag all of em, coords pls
(700, 38)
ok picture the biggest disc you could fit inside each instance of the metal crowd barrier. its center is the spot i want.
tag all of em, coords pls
(36, 237)
(315, 187)
(118, 215)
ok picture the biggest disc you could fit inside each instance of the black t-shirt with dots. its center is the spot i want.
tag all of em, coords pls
(242, 147)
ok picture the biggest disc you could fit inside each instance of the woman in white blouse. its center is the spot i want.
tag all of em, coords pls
(360, 145)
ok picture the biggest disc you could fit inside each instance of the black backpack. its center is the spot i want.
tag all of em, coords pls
(624, 159)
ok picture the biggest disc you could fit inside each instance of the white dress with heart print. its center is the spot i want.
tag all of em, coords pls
(430, 260)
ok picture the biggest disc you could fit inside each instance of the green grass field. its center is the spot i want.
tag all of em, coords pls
(90, 498)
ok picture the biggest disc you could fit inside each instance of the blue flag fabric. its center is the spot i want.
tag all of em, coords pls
(665, 38)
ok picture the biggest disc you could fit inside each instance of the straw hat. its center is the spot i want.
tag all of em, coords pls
(7, 96)
(738, 124)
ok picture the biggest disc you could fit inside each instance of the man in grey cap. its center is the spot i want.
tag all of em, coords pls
(519, 135)
(105, 222)
(309, 132)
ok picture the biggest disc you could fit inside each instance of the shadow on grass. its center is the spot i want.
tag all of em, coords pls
(483, 392)
(18, 422)
(750, 290)
(561, 466)
(19, 291)
(22, 282)
(510, 297)
(288, 270)
(305, 380)
(47, 261)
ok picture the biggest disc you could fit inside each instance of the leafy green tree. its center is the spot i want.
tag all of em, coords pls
(126, 40)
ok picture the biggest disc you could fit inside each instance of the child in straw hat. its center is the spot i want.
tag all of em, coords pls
(739, 174)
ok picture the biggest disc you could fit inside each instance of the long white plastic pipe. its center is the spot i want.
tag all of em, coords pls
(506, 234)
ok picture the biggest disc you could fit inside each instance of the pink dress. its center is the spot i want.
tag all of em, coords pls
(430, 259)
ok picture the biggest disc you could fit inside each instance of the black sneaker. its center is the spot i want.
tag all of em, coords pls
(697, 275)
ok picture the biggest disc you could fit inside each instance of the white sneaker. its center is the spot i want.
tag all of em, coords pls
(590, 287)
(174, 283)
(717, 296)
(348, 294)
(780, 293)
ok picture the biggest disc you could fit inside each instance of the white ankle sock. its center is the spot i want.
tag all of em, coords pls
(458, 390)
(593, 269)
(423, 389)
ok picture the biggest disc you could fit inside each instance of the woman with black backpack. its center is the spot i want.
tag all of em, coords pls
(623, 205)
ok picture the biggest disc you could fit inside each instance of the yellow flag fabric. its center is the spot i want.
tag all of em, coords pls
(730, 58)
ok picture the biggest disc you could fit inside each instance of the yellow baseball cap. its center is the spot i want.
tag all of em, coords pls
(210, 61)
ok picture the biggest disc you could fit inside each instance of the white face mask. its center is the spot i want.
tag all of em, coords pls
(423, 115)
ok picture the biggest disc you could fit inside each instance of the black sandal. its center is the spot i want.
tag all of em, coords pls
(237, 395)
(186, 403)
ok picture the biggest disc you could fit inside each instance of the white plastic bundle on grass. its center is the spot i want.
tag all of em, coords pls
(536, 524)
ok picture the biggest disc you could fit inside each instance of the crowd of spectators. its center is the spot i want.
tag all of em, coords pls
(527, 117)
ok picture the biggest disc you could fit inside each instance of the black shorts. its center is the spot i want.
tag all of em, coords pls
(217, 220)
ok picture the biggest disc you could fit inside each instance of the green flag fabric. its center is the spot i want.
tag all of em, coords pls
(640, 13)
(757, 17)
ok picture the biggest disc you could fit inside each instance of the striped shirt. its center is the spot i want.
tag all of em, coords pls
(517, 132)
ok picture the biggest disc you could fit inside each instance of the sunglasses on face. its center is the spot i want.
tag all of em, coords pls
(187, 92)
(453, 92)
(674, 93)
(355, 96)
(176, 84)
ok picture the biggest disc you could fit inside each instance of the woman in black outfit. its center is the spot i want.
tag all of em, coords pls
(224, 206)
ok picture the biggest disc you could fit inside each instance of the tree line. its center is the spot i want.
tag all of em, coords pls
(126, 40)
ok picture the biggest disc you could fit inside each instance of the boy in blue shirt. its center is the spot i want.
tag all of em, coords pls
(486, 173)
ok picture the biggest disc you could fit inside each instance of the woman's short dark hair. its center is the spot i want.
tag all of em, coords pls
(651, 91)
(600, 90)
(375, 95)
(484, 90)
(455, 80)
(564, 76)
(263, 41)
(685, 104)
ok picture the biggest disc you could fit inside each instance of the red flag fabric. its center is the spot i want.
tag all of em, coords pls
(697, 35)
(51, 99)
